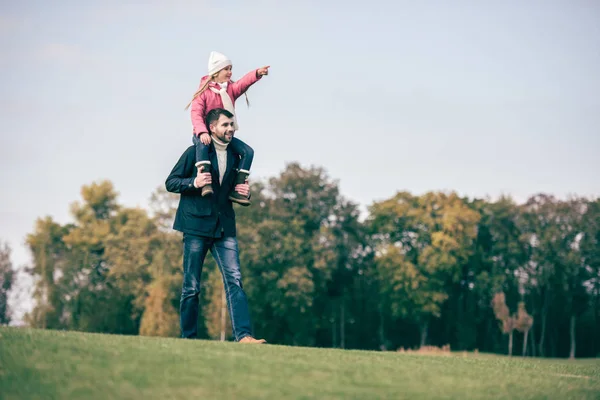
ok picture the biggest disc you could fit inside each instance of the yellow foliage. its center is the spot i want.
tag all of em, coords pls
(159, 318)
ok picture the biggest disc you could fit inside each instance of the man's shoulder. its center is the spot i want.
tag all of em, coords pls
(188, 151)
(187, 156)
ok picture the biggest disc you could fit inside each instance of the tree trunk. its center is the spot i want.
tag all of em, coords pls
(510, 343)
(382, 345)
(458, 322)
(46, 284)
(489, 338)
(532, 344)
(596, 319)
(424, 327)
(342, 325)
(543, 334)
(572, 354)
(223, 314)
(525, 343)
(333, 332)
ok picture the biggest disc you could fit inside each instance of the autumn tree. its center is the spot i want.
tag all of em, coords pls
(6, 281)
(434, 234)
(158, 318)
(523, 324)
(508, 322)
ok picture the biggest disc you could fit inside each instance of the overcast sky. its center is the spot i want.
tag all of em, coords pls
(485, 98)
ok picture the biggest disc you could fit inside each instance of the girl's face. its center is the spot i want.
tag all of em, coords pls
(224, 75)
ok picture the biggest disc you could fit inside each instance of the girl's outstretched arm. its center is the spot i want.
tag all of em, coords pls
(239, 87)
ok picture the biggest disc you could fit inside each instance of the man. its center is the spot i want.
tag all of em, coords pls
(208, 223)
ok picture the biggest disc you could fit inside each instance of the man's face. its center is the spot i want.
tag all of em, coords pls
(223, 129)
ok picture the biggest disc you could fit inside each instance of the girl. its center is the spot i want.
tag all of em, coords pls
(217, 90)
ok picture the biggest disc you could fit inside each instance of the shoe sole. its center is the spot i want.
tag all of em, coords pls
(241, 202)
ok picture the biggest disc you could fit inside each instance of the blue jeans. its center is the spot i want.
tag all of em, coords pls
(239, 148)
(226, 253)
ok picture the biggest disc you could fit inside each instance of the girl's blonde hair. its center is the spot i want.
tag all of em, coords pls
(205, 86)
(202, 89)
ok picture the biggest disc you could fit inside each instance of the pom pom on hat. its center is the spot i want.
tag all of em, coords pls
(216, 62)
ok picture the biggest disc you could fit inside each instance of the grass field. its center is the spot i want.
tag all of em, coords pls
(38, 364)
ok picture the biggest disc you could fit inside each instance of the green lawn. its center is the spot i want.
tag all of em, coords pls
(37, 364)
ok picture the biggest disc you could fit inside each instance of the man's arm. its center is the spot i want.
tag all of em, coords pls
(181, 179)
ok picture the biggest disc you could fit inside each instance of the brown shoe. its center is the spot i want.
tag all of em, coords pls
(250, 339)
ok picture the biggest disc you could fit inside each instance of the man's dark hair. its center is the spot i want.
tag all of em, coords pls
(214, 115)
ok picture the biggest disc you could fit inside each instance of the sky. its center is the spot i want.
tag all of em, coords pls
(483, 98)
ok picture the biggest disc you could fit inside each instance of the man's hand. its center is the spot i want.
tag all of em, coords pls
(263, 71)
(202, 179)
(205, 138)
(243, 189)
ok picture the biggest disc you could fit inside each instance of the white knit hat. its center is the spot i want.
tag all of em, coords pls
(216, 62)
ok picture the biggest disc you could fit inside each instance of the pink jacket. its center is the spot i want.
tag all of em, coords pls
(209, 100)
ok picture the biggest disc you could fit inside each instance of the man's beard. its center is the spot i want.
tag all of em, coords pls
(225, 138)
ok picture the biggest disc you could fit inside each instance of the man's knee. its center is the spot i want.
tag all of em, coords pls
(233, 278)
(189, 291)
(190, 287)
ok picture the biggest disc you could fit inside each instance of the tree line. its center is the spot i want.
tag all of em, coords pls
(431, 269)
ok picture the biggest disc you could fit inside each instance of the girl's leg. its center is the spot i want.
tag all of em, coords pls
(202, 162)
(246, 154)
